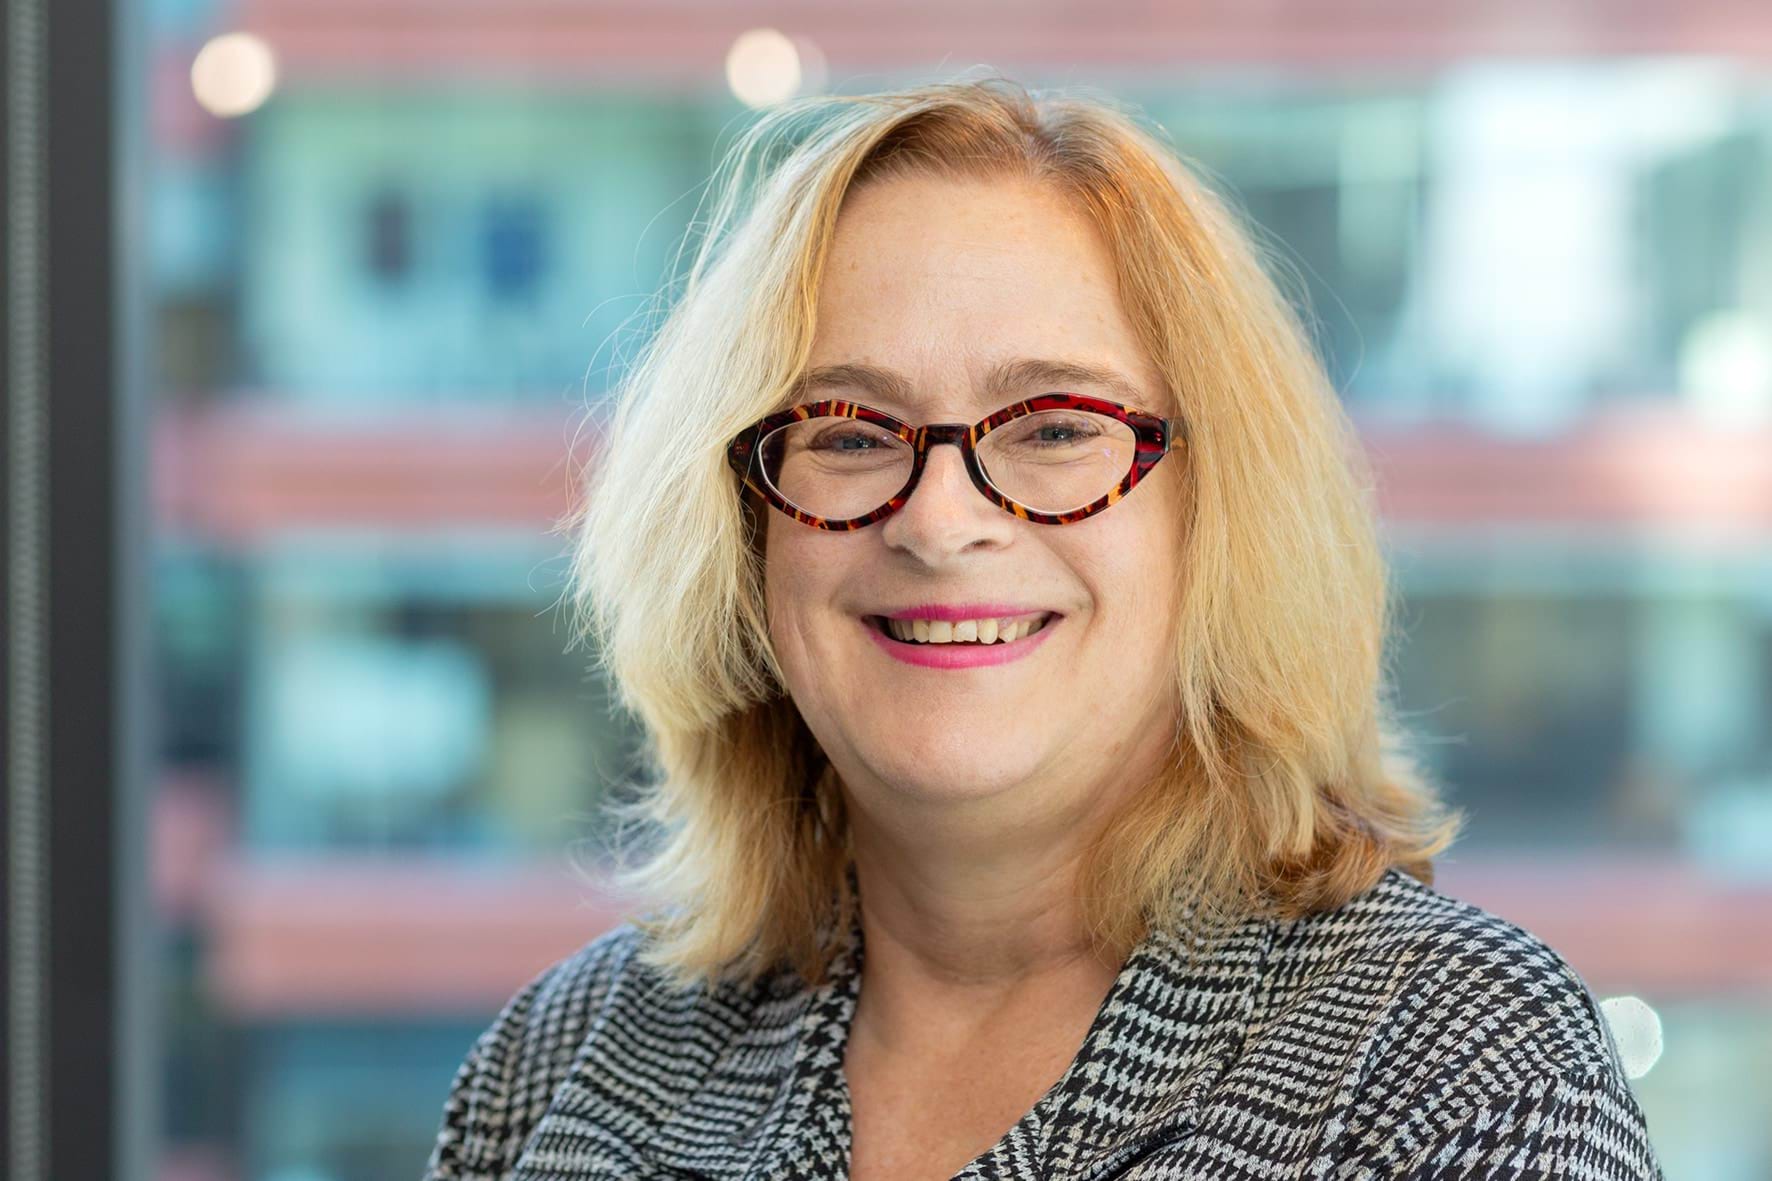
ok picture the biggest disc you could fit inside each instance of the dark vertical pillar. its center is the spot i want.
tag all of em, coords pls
(71, 834)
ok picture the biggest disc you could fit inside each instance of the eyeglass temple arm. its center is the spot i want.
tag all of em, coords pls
(1174, 431)
(739, 451)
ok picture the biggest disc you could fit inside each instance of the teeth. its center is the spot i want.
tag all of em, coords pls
(979, 631)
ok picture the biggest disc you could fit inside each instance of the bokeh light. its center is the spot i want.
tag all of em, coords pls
(233, 74)
(1637, 1029)
(1726, 367)
(763, 67)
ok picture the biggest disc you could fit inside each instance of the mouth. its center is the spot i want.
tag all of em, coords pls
(969, 633)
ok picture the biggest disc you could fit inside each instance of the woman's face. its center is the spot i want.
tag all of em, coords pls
(941, 281)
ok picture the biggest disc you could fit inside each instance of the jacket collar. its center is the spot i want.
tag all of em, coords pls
(1171, 1022)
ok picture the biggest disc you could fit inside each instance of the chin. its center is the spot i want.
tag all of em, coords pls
(940, 771)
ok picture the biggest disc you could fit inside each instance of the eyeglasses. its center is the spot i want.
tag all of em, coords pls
(1053, 459)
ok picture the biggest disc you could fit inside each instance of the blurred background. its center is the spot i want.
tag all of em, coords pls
(384, 257)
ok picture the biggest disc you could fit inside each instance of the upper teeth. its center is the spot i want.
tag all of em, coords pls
(983, 631)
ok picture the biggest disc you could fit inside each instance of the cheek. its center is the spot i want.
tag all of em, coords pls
(802, 572)
(786, 562)
(1161, 529)
(1133, 574)
(1130, 552)
(783, 592)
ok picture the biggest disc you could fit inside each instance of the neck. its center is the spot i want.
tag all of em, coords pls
(962, 935)
(964, 923)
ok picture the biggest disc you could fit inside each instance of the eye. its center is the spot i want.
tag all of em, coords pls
(1048, 430)
(850, 437)
(1063, 432)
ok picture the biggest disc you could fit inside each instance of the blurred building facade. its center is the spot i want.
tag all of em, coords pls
(1538, 258)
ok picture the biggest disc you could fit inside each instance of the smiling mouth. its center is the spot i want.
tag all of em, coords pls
(969, 633)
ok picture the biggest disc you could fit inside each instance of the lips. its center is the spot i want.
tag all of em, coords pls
(973, 654)
(968, 631)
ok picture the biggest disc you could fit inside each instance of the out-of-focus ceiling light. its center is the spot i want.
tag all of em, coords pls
(763, 67)
(233, 74)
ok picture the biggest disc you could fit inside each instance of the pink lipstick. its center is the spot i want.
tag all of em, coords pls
(958, 655)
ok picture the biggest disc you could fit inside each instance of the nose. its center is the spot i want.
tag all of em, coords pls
(946, 513)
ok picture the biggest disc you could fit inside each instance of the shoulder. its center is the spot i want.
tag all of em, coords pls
(1448, 983)
(546, 1019)
(605, 1030)
(511, 1071)
(1450, 1032)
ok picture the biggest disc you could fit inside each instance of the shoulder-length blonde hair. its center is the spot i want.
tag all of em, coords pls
(1290, 789)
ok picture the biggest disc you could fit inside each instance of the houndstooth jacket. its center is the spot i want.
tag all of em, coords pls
(1403, 1034)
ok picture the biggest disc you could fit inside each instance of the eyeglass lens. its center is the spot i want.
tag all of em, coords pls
(1050, 461)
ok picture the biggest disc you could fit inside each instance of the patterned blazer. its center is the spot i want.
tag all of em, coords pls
(1402, 1035)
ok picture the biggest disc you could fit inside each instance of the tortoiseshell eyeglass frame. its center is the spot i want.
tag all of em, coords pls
(1155, 438)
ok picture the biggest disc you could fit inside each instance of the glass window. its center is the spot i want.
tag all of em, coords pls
(379, 301)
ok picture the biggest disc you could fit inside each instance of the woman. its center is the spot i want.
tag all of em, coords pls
(1028, 807)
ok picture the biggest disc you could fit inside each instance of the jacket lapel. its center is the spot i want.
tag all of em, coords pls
(774, 1105)
(1170, 1027)
(695, 1118)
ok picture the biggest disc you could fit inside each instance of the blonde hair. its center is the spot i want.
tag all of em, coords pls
(1291, 789)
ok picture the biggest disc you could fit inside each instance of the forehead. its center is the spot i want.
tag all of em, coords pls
(949, 282)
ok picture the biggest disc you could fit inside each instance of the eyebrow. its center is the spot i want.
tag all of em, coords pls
(1002, 384)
